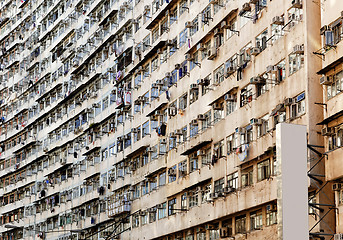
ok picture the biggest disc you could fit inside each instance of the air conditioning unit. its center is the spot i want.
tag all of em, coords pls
(323, 29)
(201, 153)
(146, 9)
(194, 122)
(327, 131)
(201, 117)
(172, 135)
(172, 172)
(95, 105)
(255, 51)
(255, 121)
(193, 86)
(209, 226)
(246, 7)
(240, 130)
(111, 69)
(298, 49)
(288, 101)
(159, 112)
(172, 111)
(272, 68)
(160, 82)
(229, 70)
(336, 186)
(141, 99)
(178, 132)
(63, 161)
(150, 149)
(296, 4)
(200, 47)
(213, 195)
(224, 24)
(257, 80)
(212, 53)
(229, 97)
(216, 31)
(271, 207)
(217, 106)
(188, 57)
(228, 189)
(278, 20)
(326, 80)
(93, 95)
(189, 24)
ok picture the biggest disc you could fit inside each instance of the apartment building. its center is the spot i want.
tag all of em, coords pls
(156, 119)
(330, 52)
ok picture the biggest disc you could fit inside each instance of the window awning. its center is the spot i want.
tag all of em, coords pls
(138, 150)
(330, 66)
(91, 150)
(331, 118)
(222, 96)
(160, 15)
(160, 169)
(160, 106)
(196, 147)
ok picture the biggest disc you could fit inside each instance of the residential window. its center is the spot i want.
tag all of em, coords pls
(173, 16)
(183, 102)
(193, 197)
(171, 206)
(172, 174)
(232, 180)
(206, 15)
(337, 85)
(162, 179)
(231, 104)
(218, 74)
(232, 28)
(152, 215)
(135, 220)
(195, 27)
(246, 95)
(240, 224)
(247, 177)
(218, 111)
(296, 61)
(193, 130)
(183, 37)
(193, 163)
(219, 185)
(184, 201)
(261, 40)
(271, 216)
(277, 32)
(154, 34)
(263, 170)
(164, 25)
(298, 108)
(193, 95)
(207, 122)
(262, 128)
(182, 168)
(205, 88)
(218, 149)
(183, 6)
(256, 220)
(230, 143)
(145, 129)
(162, 210)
